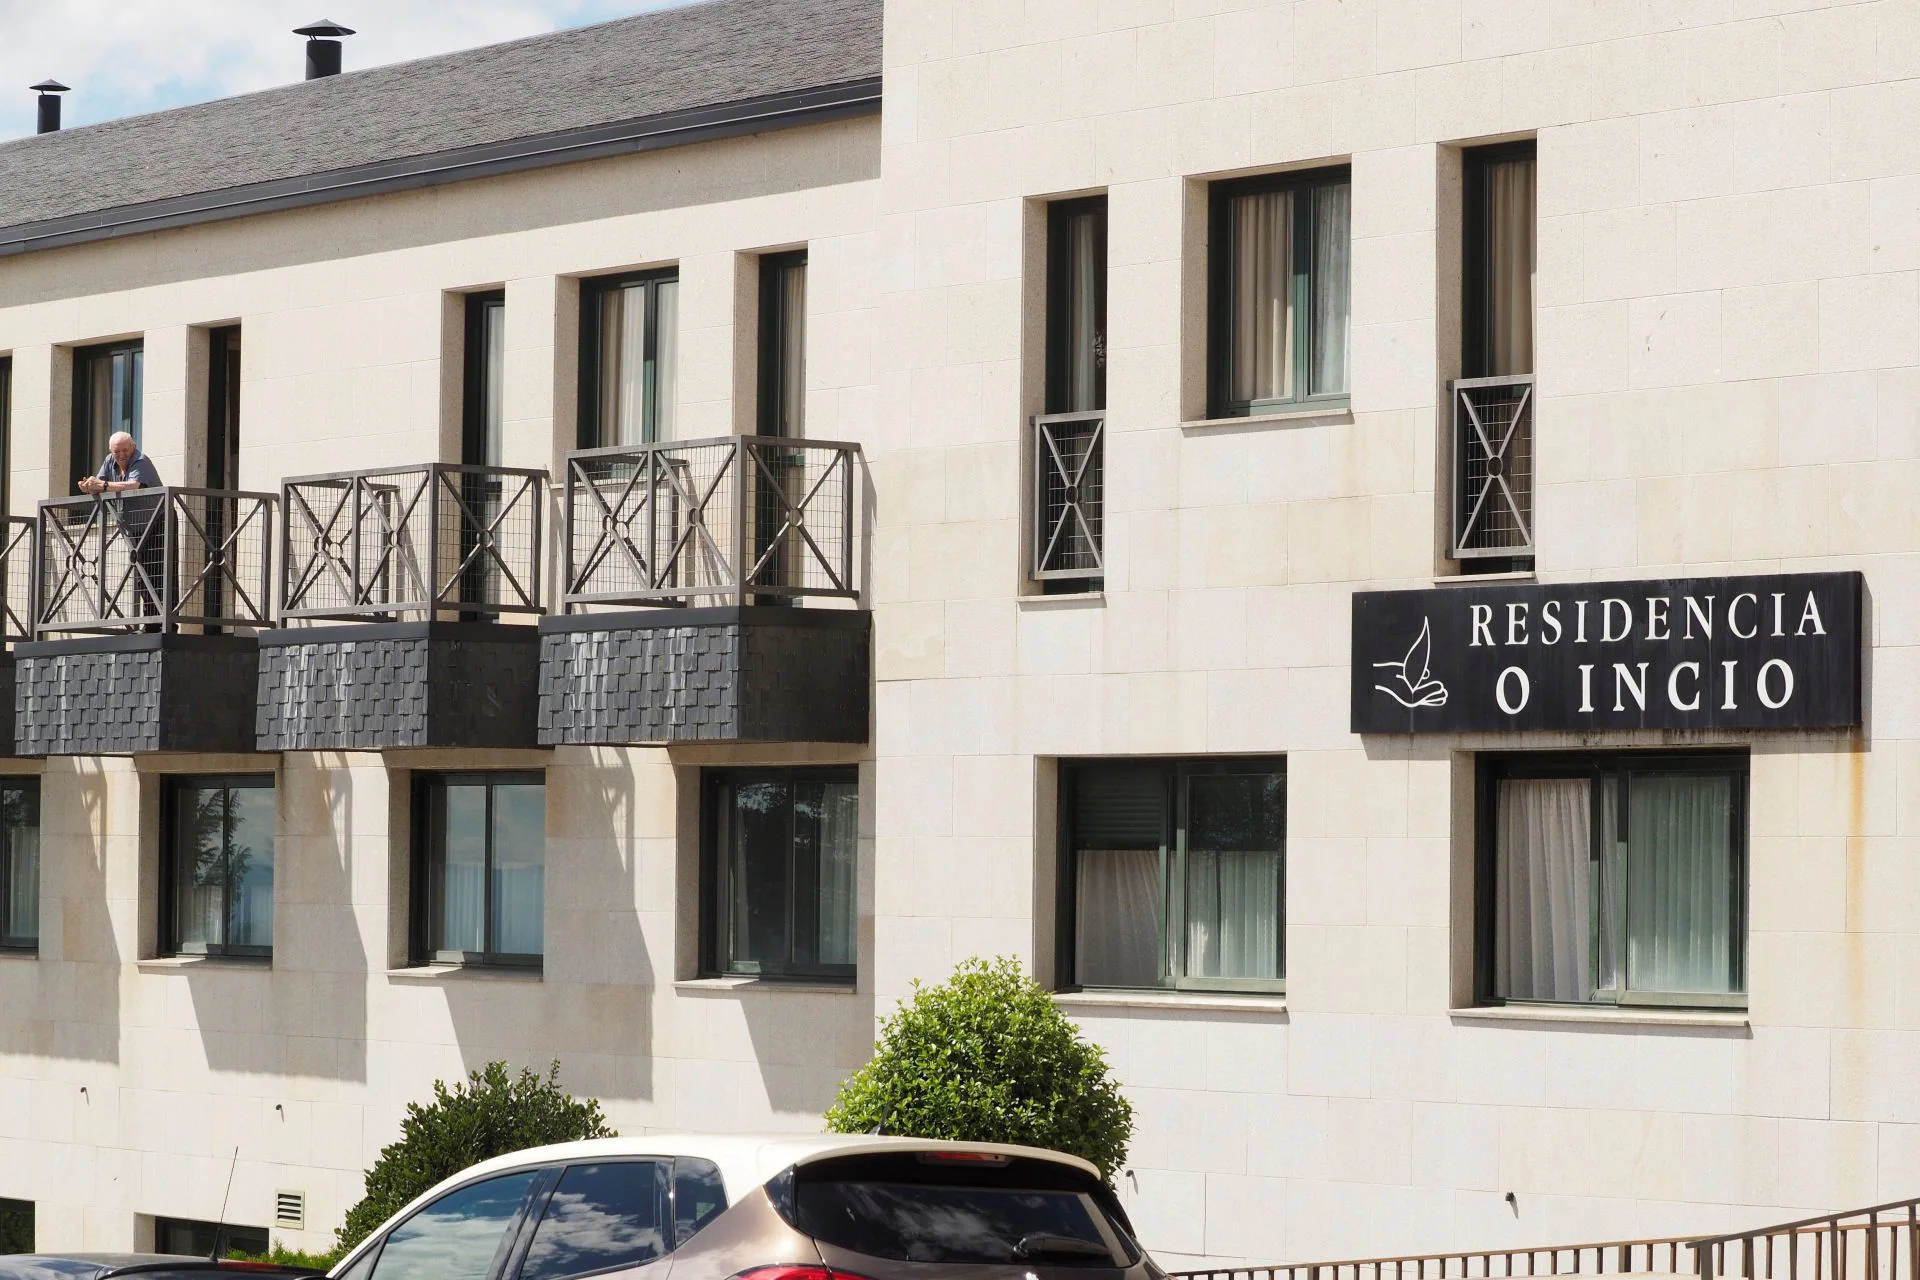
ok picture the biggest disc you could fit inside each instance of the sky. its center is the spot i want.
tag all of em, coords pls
(126, 57)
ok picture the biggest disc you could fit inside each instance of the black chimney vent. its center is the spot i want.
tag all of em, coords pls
(49, 104)
(323, 46)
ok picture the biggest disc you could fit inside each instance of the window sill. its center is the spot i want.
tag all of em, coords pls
(1331, 416)
(1476, 579)
(739, 985)
(466, 973)
(19, 953)
(1065, 600)
(1608, 1015)
(1197, 1001)
(178, 964)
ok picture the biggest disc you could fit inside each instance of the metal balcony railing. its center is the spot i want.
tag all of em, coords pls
(16, 579)
(153, 559)
(412, 543)
(1069, 486)
(731, 520)
(1493, 466)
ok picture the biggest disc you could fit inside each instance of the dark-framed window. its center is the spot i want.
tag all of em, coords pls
(781, 872)
(107, 386)
(1279, 248)
(629, 345)
(1077, 305)
(1497, 260)
(223, 408)
(19, 863)
(480, 884)
(217, 867)
(1613, 878)
(1068, 467)
(783, 344)
(6, 430)
(192, 1237)
(16, 1226)
(1173, 873)
(482, 407)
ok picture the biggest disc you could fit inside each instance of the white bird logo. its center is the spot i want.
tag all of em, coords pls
(1416, 675)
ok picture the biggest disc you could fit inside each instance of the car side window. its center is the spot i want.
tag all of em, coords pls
(599, 1216)
(698, 1196)
(362, 1269)
(458, 1236)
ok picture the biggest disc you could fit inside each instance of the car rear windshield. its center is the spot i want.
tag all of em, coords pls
(925, 1208)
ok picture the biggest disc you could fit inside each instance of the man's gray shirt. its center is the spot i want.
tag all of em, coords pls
(135, 511)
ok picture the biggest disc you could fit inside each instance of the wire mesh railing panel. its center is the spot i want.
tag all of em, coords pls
(733, 520)
(16, 579)
(1663, 1256)
(1493, 466)
(1069, 484)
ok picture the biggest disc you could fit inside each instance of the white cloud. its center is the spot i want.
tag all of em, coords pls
(124, 57)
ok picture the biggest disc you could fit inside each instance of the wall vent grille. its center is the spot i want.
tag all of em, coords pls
(290, 1210)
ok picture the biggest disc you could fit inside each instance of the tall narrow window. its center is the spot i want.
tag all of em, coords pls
(106, 398)
(223, 408)
(1279, 247)
(783, 852)
(1175, 874)
(1613, 879)
(783, 344)
(218, 861)
(6, 431)
(629, 340)
(486, 348)
(1069, 444)
(20, 863)
(1498, 260)
(481, 880)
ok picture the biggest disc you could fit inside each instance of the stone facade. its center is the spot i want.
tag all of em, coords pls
(122, 695)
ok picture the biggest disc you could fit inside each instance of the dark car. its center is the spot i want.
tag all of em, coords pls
(150, 1266)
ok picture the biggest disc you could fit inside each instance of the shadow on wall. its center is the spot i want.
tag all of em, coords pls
(75, 988)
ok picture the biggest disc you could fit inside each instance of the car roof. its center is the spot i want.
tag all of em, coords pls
(85, 1266)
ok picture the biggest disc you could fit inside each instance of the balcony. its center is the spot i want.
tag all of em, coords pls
(1493, 467)
(143, 612)
(16, 609)
(398, 591)
(711, 593)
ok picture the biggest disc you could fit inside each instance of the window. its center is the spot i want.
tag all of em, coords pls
(699, 1196)
(601, 1216)
(460, 1235)
(1175, 874)
(481, 884)
(486, 351)
(1278, 292)
(16, 1226)
(19, 863)
(1613, 879)
(106, 399)
(1498, 261)
(188, 1236)
(6, 429)
(629, 339)
(1069, 447)
(782, 857)
(218, 866)
(223, 408)
(783, 344)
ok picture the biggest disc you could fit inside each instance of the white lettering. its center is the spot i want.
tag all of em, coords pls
(1673, 687)
(1500, 691)
(1729, 704)
(1623, 680)
(1778, 628)
(1579, 621)
(1657, 617)
(1517, 623)
(1482, 618)
(1733, 616)
(1586, 686)
(1703, 616)
(1786, 684)
(1607, 635)
(1550, 617)
(1810, 614)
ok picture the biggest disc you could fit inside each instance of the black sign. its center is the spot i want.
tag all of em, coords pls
(1777, 652)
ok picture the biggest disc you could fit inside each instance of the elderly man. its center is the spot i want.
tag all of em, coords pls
(124, 470)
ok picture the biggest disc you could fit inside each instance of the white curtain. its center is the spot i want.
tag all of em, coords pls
(518, 867)
(1261, 228)
(1084, 341)
(1233, 914)
(1544, 836)
(1510, 265)
(839, 858)
(1681, 884)
(494, 318)
(23, 879)
(666, 356)
(460, 866)
(1331, 270)
(793, 350)
(1118, 936)
(623, 364)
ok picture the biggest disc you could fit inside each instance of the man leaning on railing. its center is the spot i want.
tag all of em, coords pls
(125, 469)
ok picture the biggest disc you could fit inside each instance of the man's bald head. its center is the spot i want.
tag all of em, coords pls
(120, 445)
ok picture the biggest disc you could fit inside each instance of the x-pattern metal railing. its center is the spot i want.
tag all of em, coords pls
(16, 579)
(732, 519)
(1069, 498)
(413, 542)
(1493, 466)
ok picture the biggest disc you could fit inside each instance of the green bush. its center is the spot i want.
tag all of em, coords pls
(490, 1115)
(988, 1057)
(280, 1255)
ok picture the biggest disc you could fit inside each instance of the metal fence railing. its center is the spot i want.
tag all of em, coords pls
(1493, 466)
(413, 543)
(1069, 495)
(153, 559)
(731, 520)
(16, 579)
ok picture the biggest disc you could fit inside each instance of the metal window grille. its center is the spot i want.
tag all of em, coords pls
(1069, 495)
(1493, 466)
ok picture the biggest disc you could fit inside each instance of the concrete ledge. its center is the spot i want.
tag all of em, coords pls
(467, 973)
(738, 986)
(1607, 1016)
(128, 694)
(1173, 1002)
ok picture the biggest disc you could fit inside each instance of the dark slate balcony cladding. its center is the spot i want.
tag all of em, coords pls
(119, 695)
(731, 674)
(375, 686)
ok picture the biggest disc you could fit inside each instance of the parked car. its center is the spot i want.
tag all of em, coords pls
(149, 1266)
(762, 1208)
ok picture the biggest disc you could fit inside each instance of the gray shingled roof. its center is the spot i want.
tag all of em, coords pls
(672, 60)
